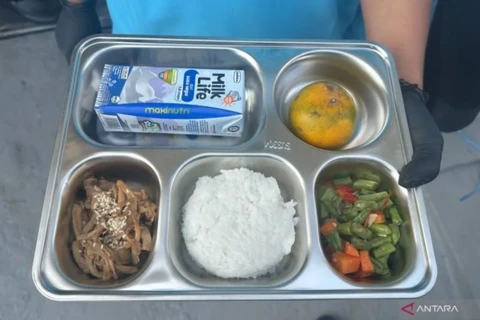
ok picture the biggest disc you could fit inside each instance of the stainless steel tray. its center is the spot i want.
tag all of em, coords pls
(168, 168)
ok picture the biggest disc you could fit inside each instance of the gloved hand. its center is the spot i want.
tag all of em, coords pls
(77, 20)
(426, 138)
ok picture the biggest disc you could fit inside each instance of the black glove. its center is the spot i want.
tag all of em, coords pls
(426, 138)
(75, 23)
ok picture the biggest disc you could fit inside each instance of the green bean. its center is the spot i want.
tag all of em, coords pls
(348, 205)
(381, 229)
(364, 204)
(329, 195)
(395, 233)
(332, 212)
(360, 244)
(368, 175)
(342, 218)
(375, 197)
(350, 213)
(338, 205)
(365, 191)
(344, 229)
(384, 259)
(386, 204)
(365, 184)
(378, 241)
(335, 241)
(361, 231)
(360, 218)
(323, 211)
(389, 203)
(342, 181)
(383, 250)
(380, 268)
(321, 191)
(395, 216)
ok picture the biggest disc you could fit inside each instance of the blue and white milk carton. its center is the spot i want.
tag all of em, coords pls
(171, 100)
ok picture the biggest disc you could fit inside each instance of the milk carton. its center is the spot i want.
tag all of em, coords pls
(171, 100)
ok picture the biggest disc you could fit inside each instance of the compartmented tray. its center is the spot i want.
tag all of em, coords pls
(168, 166)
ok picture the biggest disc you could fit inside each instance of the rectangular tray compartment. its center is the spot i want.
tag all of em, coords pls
(91, 129)
(291, 187)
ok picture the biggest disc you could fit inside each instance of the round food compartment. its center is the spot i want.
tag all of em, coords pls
(360, 205)
(109, 225)
(362, 83)
(291, 188)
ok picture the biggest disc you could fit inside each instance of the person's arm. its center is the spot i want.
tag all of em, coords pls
(402, 27)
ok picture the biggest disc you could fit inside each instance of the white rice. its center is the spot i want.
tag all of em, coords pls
(236, 225)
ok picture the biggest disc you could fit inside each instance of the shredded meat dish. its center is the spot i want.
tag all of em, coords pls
(111, 228)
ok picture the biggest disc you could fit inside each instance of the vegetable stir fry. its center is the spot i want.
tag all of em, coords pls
(359, 225)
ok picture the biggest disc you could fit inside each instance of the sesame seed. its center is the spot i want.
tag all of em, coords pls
(104, 204)
(112, 217)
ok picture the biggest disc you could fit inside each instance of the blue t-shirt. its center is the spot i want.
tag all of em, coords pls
(239, 19)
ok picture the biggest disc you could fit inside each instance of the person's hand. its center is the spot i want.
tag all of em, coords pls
(77, 20)
(426, 138)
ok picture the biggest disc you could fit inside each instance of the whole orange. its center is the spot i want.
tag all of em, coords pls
(323, 114)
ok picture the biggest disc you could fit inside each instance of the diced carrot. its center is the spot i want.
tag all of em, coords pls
(345, 263)
(366, 265)
(328, 227)
(379, 218)
(347, 193)
(345, 189)
(347, 197)
(349, 249)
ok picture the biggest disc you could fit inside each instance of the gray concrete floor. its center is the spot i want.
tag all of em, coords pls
(33, 81)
